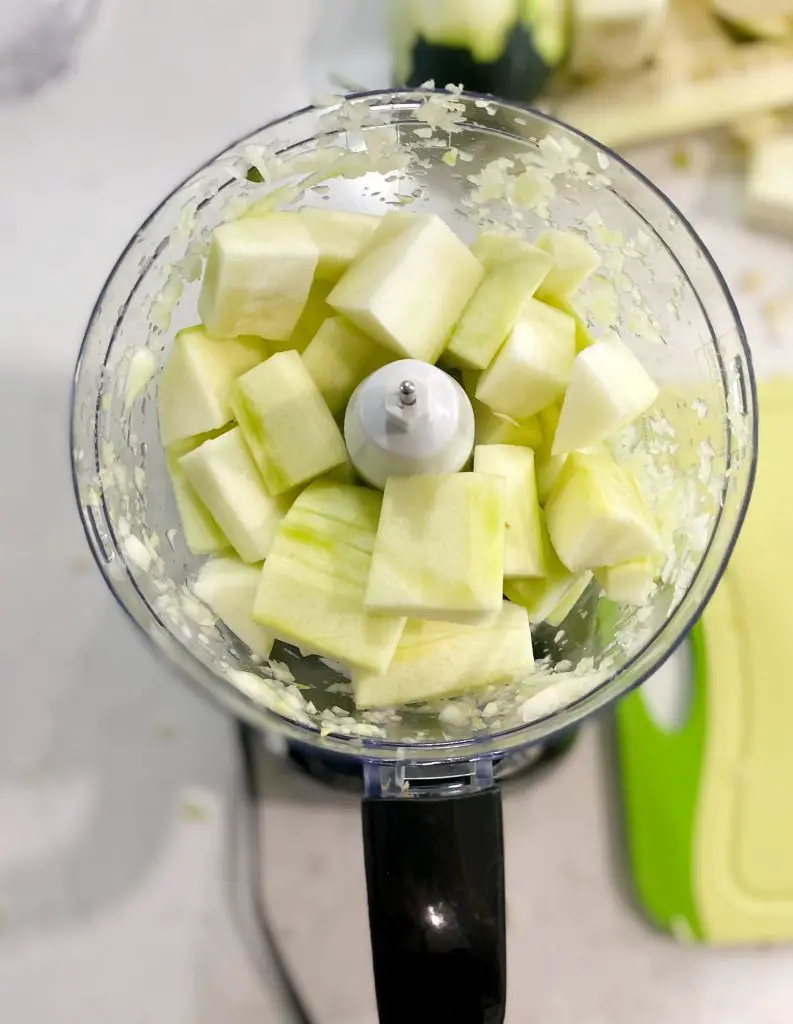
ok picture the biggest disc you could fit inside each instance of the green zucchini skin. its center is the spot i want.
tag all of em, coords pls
(748, 31)
(519, 73)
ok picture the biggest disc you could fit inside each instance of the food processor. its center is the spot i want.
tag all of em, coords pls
(432, 824)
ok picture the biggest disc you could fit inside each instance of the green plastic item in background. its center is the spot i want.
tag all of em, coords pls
(707, 800)
(660, 771)
(507, 48)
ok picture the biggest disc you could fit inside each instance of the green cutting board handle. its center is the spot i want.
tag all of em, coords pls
(660, 771)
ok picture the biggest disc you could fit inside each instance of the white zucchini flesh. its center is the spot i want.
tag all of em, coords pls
(202, 535)
(574, 259)
(495, 308)
(547, 469)
(322, 616)
(629, 582)
(523, 546)
(494, 428)
(440, 659)
(569, 599)
(339, 357)
(534, 365)
(228, 586)
(494, 249)
(583, 336)
(551, 598)
(609, 388)
(287, 423)
(312, 585)
(226, 479)
(439, 552)
(194, 389)
(409, 287)
(596, 515)
(258, 276)
(315, 312)
(514, 270)
(339, 236)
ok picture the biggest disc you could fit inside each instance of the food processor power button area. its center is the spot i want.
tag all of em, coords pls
(408, 417)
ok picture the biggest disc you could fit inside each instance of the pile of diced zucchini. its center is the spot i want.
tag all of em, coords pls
(429, 588)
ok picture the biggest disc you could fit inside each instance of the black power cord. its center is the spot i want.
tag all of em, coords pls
(247, 862)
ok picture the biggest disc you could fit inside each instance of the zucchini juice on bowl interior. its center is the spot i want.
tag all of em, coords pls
(481, 567)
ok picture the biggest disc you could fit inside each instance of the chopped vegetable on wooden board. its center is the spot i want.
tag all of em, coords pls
(700, 77)
(769, 185)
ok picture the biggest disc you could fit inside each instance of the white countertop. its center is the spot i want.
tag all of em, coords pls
(115, 779)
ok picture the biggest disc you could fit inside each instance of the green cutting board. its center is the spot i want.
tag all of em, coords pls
(708, 801)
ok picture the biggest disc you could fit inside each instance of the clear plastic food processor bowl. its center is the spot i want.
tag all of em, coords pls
(477, 163)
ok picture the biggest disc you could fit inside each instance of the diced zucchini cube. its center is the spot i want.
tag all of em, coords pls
(409, 287)
(494, 428)
(194, 389)
(494, 249)
(257, 278)
(583, 336)
(312, 586)
(523, 548)
(202, 535)
(287, 423)
(547, 469)
(495, 308)
(440, 548)
(629, 582)
(315, 312)
(339, 236)
(574, 260)
(609, 388)
(552, 598)
(226, 479)
(228, 586)
(441, 659)
(534, 365)
(339, 358)
(597, 516)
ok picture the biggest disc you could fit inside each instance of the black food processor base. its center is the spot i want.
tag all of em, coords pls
(455, 914)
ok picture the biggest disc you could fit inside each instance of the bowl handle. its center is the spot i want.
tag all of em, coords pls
(435, 875)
